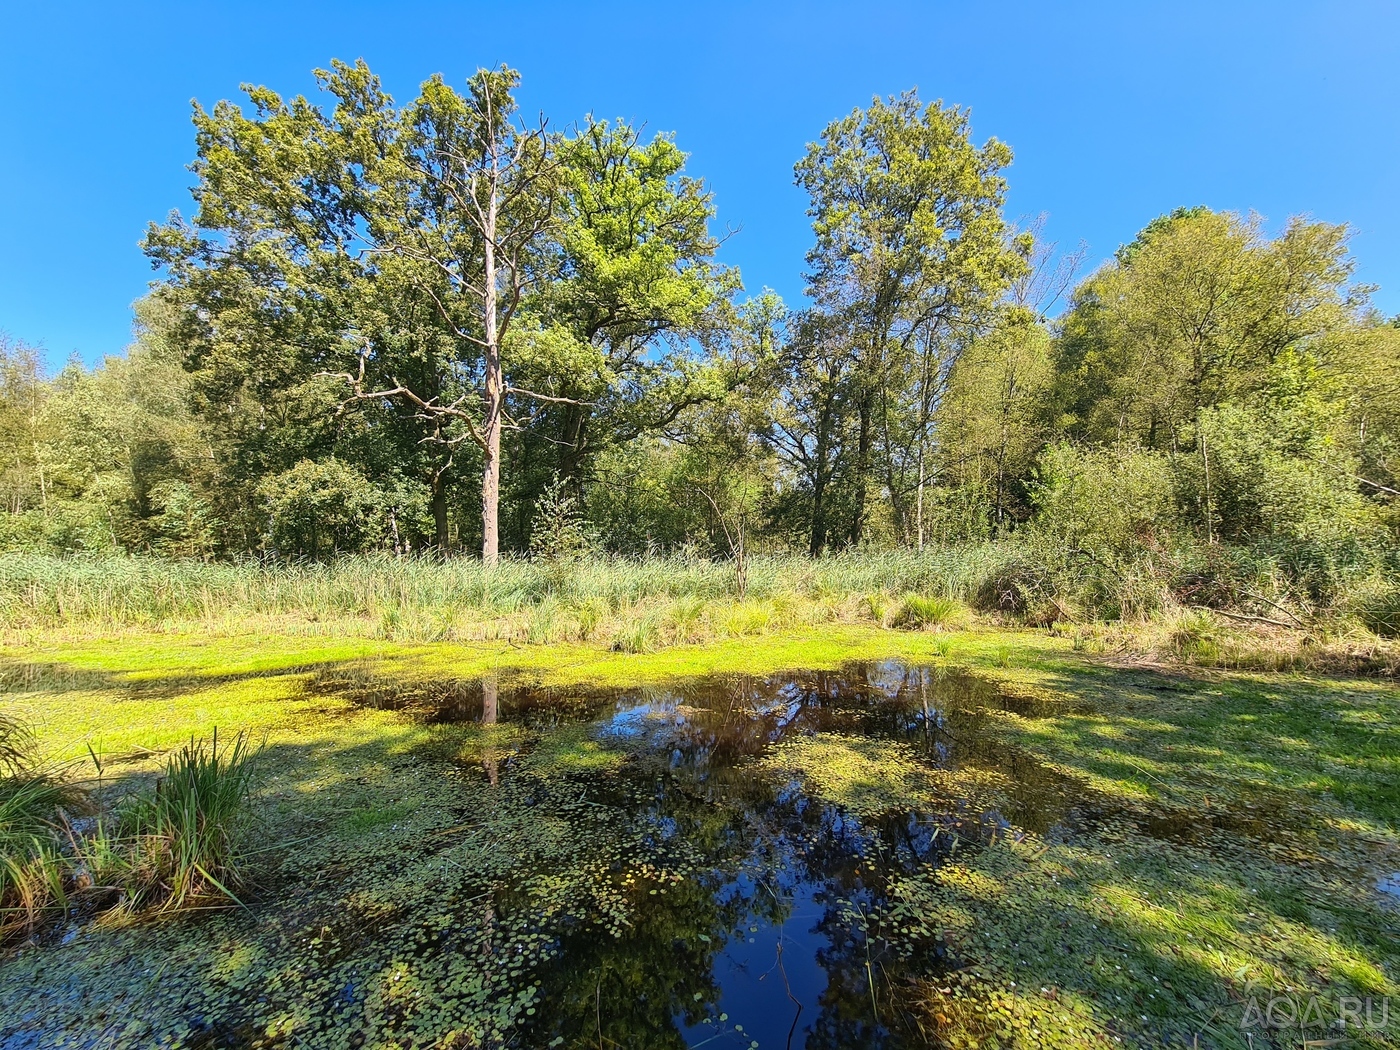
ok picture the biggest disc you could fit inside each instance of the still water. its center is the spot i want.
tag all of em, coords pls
(773, 939)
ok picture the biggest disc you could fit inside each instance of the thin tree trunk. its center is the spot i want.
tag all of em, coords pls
(919, 501)
(1205, 464)
(440, 535)
(573, 448)
(863, 442)
(493, 393)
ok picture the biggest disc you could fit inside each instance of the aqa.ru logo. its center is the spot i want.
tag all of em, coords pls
(1292, 1011)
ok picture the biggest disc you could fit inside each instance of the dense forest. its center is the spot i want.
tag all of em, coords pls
(439, 327)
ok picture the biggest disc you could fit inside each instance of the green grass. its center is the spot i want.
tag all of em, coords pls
(919, 611)
(430, 599)
(642, 606)
(1279, 796)
(180, 843)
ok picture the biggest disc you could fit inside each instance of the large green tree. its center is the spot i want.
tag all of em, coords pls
(388, 246)
(452, 271)
(911, 245)
(636, 283)
(1191, 315)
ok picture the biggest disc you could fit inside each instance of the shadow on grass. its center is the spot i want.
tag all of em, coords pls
(505, 879)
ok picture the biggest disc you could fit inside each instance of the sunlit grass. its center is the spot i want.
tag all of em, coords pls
(1092, 922)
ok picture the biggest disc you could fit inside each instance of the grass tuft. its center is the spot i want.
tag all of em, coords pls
(917, 611)
(172, 848)
(184, 838)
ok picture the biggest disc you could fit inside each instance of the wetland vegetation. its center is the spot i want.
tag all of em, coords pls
(979, 656)
(961, 838)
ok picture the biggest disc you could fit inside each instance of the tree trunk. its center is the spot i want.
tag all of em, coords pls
(440, 535)
(818, 516)
(820, 476)
(573, 449)
(863, 442)
(493, 394)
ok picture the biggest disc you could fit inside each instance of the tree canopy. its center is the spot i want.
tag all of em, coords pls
(435, 325)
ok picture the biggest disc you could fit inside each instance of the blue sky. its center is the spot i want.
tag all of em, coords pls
(1117, 112)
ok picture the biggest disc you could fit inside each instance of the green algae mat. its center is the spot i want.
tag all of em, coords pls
(859, 838)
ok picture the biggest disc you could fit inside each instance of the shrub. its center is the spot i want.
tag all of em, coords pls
(556, 531)
(1110, 501)
(322, 507)
(1013, 588)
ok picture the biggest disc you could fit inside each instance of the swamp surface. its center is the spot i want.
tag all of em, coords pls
(985, 847)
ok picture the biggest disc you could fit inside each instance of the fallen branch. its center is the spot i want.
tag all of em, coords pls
(1248, 619)
(1260, 598)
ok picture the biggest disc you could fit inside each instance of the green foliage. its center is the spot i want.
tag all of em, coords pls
(1212, 417)
(317, 509)
(1284, 463)
(557, 532)
(1190, 317)
(992, 416)
(1111, 501)
(1378, 606)
(911, 250)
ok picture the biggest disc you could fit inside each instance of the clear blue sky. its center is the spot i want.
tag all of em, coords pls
(1117, 112)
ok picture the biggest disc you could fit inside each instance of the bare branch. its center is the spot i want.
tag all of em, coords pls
(509, 389)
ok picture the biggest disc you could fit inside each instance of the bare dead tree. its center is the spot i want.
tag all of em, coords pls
(735, 537)
(493, 186)
(1050, 273)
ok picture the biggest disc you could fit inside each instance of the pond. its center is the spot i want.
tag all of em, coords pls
(774, 819)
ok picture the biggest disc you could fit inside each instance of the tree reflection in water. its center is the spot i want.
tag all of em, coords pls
(772, 936)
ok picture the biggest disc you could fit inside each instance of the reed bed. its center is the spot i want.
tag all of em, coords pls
(40, 591)
(1260, 615)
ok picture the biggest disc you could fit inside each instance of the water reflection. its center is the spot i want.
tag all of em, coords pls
(778, 933)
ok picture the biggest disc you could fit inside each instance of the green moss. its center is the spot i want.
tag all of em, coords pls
(869, 777)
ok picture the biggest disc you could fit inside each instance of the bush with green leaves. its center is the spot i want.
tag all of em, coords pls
(1109, 501)
(1279, 465)
(556, 531)
(320, 508)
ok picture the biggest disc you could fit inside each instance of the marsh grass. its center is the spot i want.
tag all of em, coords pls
(1262, 619)
(31, 801)
(172, 848)
(1204, 638)
(457, 598)
(182, 842)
